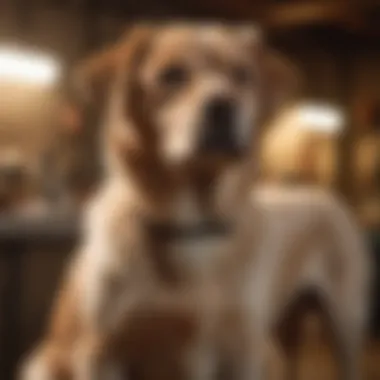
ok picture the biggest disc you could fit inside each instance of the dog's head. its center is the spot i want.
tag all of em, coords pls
(186, 91)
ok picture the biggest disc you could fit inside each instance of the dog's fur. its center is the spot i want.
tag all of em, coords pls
(137, 299)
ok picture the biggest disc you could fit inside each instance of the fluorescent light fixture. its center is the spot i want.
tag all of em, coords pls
(26, 66)
(321, 118)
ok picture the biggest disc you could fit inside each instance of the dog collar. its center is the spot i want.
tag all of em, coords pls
(203, 230)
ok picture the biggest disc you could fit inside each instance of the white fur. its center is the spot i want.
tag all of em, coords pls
(287, 215)
(35, 368)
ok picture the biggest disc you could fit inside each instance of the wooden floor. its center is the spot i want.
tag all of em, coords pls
(315, 360)
(317, 363)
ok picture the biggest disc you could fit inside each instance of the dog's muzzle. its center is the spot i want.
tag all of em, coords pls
(219, 132)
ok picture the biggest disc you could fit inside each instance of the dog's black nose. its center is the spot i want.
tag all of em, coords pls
(220, 112)
(219, 132)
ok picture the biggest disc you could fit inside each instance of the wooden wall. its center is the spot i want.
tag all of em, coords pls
(335, 69)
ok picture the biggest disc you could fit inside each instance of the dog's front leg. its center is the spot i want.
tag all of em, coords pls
(251, 362)
(107, 297)
(245, 361)
(92, 361)
(200, 363)
(242, 363)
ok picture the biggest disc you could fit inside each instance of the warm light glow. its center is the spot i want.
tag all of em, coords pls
(321, 118)
(21, 66)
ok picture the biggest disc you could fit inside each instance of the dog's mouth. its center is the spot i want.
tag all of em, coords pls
(221, 142)
(232, 151)
(218, 159)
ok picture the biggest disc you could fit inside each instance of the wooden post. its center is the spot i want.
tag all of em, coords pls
(346, 72)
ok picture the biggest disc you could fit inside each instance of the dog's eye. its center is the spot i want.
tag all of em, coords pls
(242, 75)
(173, 76)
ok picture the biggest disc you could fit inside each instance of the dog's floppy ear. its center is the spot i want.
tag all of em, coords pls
(94, 75)
(278, 76)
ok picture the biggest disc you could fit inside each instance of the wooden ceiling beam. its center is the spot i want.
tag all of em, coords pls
(307, 13)
(292, 14)
(230, 9)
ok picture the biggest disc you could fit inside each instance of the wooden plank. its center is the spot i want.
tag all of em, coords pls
(305, 13)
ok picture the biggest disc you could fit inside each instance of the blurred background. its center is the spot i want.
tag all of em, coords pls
(327, 135)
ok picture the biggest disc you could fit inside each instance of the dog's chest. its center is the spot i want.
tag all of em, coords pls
(199, 257)
(201, 250)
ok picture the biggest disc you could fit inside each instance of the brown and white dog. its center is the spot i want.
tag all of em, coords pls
(180, 263)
